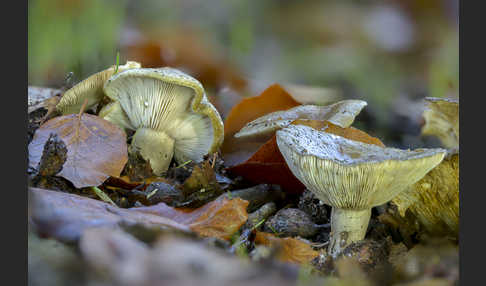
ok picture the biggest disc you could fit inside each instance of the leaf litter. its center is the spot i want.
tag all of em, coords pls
(203, 207)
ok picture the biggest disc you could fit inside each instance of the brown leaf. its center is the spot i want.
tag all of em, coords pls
(220, 218)
(65, 216)
(274, 98)
(267, 164)
(97, 149)
(290, 249)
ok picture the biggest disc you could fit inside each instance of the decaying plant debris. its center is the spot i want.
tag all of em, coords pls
(197, 222)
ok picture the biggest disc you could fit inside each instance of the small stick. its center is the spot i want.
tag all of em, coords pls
(214, 160)
(103, 196)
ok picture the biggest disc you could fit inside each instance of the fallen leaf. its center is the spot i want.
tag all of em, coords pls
(220, 218)
(274, 98)
(97, 148)
(267, 164)
(65, 216)
(290, 249)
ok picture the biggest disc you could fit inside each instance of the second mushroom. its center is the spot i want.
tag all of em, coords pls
(351, 176)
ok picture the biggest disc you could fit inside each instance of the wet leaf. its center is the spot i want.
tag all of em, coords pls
(267, 164)
(274, 98)
(96, 148)
(290, 249)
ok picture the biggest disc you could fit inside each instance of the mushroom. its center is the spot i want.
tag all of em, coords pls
(90, 88)
(442, 120)
(433, 201)
(170, 113)
(114, 113)
(341, 113)
(351, 176)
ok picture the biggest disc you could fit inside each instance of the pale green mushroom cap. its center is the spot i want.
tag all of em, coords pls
(166, 100)
(90, 88)
(341, 113)
(349, 174)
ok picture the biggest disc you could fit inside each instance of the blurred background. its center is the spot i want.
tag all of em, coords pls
(390, 53)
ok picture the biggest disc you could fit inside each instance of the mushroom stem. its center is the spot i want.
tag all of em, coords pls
(155, 146)
(347, 226)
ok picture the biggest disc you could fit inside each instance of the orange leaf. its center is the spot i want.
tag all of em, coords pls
(291, 249)
(274, 98)
(267, 164)
(220, 218)
(97, 148)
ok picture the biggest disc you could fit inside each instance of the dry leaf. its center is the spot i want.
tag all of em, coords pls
(65, 216)
(220, 218)
(267, 164)
(274, 98)
(290, 249)
(97, 149)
